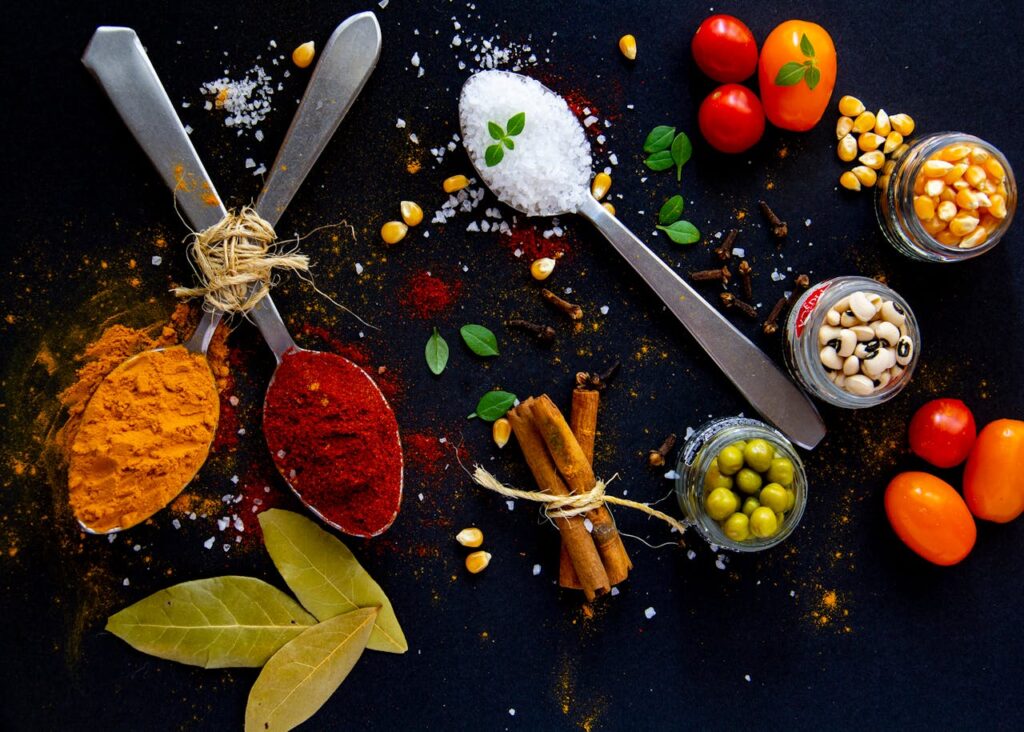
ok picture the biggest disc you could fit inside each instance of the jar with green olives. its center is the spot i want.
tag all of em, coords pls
(741, 484)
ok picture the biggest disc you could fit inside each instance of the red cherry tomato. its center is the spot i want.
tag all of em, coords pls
(930, 517)
(731, 118)
(725, 49)
(942, 432)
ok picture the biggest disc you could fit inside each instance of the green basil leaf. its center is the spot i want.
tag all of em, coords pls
(436, 353)
(812, 76)
(659, 161)
(493, 405)
(516, 123)
(682, 149)
(508, 143)
(493, 155)
(790, 74)
(659, 139)
(670, 211)
(682, 232)
(480, 340)
(495, 129)
(805, 46)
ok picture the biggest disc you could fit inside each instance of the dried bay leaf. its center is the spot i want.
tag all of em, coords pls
(299, 678)
(214, 623)
(326, 576)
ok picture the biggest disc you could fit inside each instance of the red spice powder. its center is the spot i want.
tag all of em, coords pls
(426, 295)
(335, 440)
(533, 245)
(424, 453)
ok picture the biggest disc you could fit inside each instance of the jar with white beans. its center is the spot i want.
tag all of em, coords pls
(852, 342)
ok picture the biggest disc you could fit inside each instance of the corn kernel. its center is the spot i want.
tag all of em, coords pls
(948, 194)
(936, 168)
(946, 211)
(393, 232)
(979, 155)
(924, 207)
(542, 268)
(869, 141)
(934, 187)
(471, 537)
(974, 175)
(953, 153)
(961, 184)
(412, 214)
(1001, 190)
(850, 106)
(987, 186)
(865, 122)
(865, 175)
(847, 148)
(873, 159)
(302, 56)
(890, 165)
(501, 430)
(991, 223)
(919, 185)
(975, 238)
(627, 44)
(965, 200)
(902, 123)
(477, 561)
(997, 207)
(963, 224)
(608, 207)
(455, 183)
(995, 169)
(900, 151)
(843, 127)
(883, 125)
(892, 141)
(946, 238)
(933, 226)
(955, 174)
(849, 181)
(600, 186)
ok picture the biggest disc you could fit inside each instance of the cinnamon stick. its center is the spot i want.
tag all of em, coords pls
(574, 467)
(583, 422)
(578, 542)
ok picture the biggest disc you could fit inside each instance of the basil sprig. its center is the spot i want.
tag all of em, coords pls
(495, 153)
(681, 232)
(665, 148)
(436, 353)
(494, 405)
(793, 72)
(479, 339)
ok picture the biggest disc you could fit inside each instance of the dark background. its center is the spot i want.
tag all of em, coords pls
(751, 645)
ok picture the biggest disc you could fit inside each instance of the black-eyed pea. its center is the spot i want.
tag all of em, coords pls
(904, 350)
(883, 380)
(886, 331)
(827, 333)
(893, 313)
(830, 358)
(847, 342)
(862, 332)
(861, 351)
(851, 365)
(843, 304)
(832, 317)
(874, 364)
(847, 319)
(840, 379)
(946, 211)
(862, 307)
(859, 384)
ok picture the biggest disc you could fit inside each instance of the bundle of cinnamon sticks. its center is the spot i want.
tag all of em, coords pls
(560, 458)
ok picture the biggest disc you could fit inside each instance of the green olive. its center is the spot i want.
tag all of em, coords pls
(714, 479)
(790, 499)
(774, 497)
(737, 527)
(750, 504)
(721, 502)
(730, 460)
(763, 522)
(748, 481)
(758, 454)
(781, 471)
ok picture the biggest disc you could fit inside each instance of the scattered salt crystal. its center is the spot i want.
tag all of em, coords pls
(222, 523)
(671, 475)
(260, 170)
(250, 163)
(588, 121)
(739, 251)
(456, 41)
(126, 582)
(777, 276)
(176, 523)
(209, 542)
(420, 72)
(613, 159)
(630, 106)
(615, 591)
(511, 712)
(383, 4)
(689, 433)
(601, 139)
(746, 677)
(188, 129)
(792, 593)
(473, 226)
(258, 135)
(359, 268)
(226, 547)
(157, 260)
(807, 222)
(536, 570)
(137, 548)
(604, 310)
(239, 526)
(234, 479)
(233, 401)
(568, 290)
(415, 60)
(420, 496)
(415, 140)
(691, 554)
(649, 613)
(720, 561)
(400, 124)
(511, 505)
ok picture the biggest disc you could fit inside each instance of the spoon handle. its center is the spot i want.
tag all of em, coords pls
(767, 389)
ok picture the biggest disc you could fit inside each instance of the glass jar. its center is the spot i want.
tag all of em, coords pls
(803, 349)
(894, 201)
(695, 459)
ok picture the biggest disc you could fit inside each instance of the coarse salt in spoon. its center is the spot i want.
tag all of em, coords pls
(548, 174)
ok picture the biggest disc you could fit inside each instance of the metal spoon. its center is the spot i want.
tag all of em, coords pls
(120, 64)
(767, 389)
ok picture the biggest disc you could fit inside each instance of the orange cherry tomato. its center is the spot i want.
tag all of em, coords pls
(796, 74)
(930, 517)
(994, 476)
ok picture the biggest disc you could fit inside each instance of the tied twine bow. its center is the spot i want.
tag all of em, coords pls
(235, 260)
(571, 505)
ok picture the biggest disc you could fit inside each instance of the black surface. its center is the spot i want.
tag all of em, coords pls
(917, 646)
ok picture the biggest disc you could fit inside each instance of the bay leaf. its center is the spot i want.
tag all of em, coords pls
(219, 622)
(299, 678)
(326, 576)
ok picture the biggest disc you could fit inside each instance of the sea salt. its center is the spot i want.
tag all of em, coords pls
(209, 542)
(649, 613)
(548, 172)
(157, 261)
(615, 591)
(536, 570)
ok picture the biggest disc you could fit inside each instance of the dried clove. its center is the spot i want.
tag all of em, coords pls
(598, 381)
(656, 458)
(778, 226)
(772, 324)
(722, 275)
(731, 301)
(724, 252)
(574, 312)
(746, 284)
(544, 334)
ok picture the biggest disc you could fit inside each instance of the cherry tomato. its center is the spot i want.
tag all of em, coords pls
(942, 432)
(994, 476)
(796, 74)
(725, 49)
(930, 517)
(731, 118)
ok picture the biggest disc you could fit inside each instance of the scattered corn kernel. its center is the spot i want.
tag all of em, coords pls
(849, 181)
(902, 123)
(850, 106)
(303, 55)
(501, 430)
(946, 211)
(865, 175)
(542, 268)
(900, 151)
(995, 168)
(975, 238)
(892, 141)
(455, 183)
(627, 44)
(935, 168)
(865, 122)
(477, 561)
(471, 537)
(997, 207)
(889, 166)
(601, 185)
(608, 207)
(843, 127)
(847, 148)
(883, 125)
(393, 232)
(869, 141)
(934, 187)
(412, 214)
(924, 207)
(874, 159)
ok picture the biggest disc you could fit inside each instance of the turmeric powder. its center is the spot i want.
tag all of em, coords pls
(143, 435)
